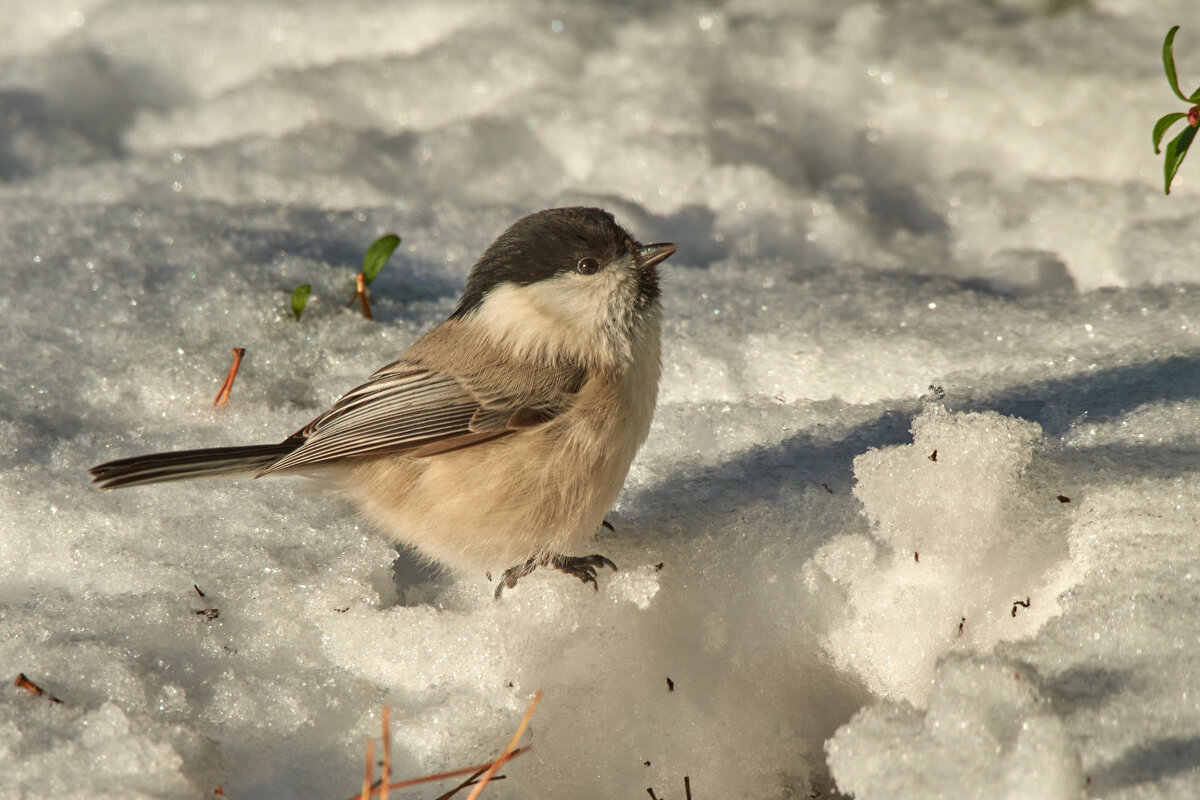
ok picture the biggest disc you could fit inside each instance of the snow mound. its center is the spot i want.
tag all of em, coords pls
(989, 731)
(964, 550)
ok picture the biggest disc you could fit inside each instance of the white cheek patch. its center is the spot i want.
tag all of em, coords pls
(568, 316)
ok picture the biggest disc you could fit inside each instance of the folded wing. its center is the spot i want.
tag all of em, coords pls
(406, 407)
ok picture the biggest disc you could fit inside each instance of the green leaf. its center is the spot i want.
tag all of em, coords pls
(1169, 65)
(377, 255)
(1176, 150)
(1160, 127)
(300, 299)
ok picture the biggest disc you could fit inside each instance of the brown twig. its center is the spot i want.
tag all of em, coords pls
(370, 787)
(209, 614)
(222, 398)
(470, 781)
(687, 787)
(360, 295)
(478, 769)
(508, 750)
(387, 755)
(370, 771)
(24, 683)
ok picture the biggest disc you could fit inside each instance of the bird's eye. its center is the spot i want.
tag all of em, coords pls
(587, 266)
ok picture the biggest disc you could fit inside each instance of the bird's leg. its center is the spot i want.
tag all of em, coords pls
(513, 574)
(582, 567)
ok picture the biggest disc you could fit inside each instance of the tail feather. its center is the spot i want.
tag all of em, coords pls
(187, 464)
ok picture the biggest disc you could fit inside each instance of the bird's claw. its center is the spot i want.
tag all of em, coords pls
(582, 567)
(513, 574)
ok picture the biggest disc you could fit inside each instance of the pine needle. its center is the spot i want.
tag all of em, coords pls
(508, 751)
(222, 398)
(370, 772)
(387, 755)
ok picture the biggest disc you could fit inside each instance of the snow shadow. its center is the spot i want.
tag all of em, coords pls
(762, 473)
(1151, 762)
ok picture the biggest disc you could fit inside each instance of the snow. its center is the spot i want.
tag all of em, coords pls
(870, 199)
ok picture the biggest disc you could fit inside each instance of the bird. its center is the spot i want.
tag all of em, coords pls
(503, 435)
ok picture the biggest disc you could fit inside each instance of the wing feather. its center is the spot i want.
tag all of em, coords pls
(411, 407)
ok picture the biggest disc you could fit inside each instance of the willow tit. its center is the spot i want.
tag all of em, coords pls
(502, 436)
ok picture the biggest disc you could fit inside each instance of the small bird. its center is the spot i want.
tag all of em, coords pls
(502, 436)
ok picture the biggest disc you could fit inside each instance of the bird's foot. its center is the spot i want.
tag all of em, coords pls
(582, 567)
(513, 574)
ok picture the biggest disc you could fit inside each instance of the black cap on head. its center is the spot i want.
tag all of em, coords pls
(543, 245)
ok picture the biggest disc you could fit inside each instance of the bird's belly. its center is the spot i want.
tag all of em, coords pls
(495, 505)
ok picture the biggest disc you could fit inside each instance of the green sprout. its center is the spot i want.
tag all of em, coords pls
(300, 297)
(377, 255)
(1177, 148)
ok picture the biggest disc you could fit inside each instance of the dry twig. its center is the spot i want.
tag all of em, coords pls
(508, 751)
(470, 781)
(369, 775)
(222, 398)
(372, 787)
(387, 754)
(24, 683)
(474, 772)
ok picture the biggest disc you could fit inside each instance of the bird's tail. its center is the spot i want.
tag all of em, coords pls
(187, 464)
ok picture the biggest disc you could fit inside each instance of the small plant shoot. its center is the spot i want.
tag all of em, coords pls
(300, 297)
(377, 255)
(1177, 148)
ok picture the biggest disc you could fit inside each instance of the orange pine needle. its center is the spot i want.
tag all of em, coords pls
(470, 781)
(454, 773)
(387, 755)
(370, 788)
(508, 751)
(23, 682)
(222, 398)
(370, 773)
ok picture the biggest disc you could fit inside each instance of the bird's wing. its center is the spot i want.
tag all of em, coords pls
(407, 407)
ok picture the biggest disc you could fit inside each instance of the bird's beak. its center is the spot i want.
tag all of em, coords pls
(651, 254)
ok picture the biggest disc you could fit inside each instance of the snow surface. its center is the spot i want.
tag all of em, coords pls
(869, 198)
